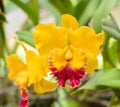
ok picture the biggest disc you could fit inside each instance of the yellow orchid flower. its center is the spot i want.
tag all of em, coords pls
(33, 72)
(71, 49)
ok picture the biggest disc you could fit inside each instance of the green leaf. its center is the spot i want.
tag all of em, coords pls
(2, 17)
(2, 37)
(2, 72)
(69, 102)
(28, 10)
(2, 41)
(112, 50)
(63, 6)
(26, 36)
(102, 11)
(102, 79)
(110, 27)
(2, 68)
(46, 4)
(112, 32)
(88, 12)
(115, 100)
(110, 22)
(80, 7)
(35, 6)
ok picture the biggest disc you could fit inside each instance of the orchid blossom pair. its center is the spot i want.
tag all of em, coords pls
(68, 52)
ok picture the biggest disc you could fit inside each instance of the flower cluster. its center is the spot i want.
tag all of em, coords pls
(71, 50)
(67, 52)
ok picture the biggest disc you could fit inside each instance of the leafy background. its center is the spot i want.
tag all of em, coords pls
(19, 17)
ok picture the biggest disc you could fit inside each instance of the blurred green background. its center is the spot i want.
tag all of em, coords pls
(19, 17)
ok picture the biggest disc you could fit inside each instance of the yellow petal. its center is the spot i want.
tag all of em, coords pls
(48, 36)
(21, 78)
(79, 58)
(86, 39)
(92, 63)
(37, 67)
(44, 86)
(69, 21)
(18, 70)
(58, 58)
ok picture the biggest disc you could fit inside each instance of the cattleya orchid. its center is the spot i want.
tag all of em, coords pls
(71, 50)
(68, 52)
(31, 72)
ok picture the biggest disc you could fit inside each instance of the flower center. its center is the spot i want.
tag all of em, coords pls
(68, 64)
(68, 55)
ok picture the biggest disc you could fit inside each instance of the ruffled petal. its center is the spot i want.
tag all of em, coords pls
(79, 58)
(44, 86)
(85, 38)
(18, 70)
(92, 63)
(37, 66)
(57, 58)
(48, 37)
(69, 21)
(68, 73)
